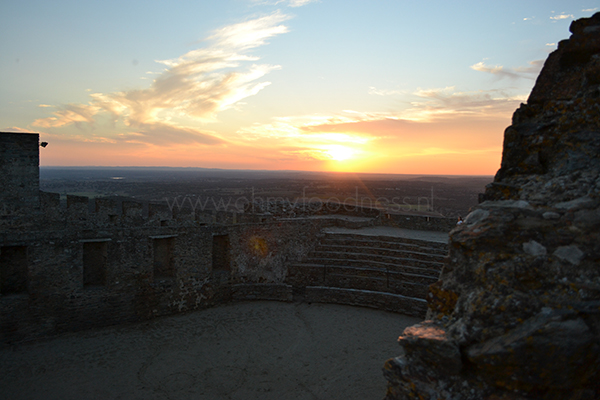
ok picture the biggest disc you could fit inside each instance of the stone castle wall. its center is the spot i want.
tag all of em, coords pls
(130, 284)
(75, 269)
(84, 263)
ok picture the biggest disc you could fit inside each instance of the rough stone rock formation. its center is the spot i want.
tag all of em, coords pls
(516, 313)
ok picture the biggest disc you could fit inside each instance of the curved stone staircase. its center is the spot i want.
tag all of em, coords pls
(387, 272)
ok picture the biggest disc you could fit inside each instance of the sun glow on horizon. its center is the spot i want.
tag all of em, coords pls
(340, 153)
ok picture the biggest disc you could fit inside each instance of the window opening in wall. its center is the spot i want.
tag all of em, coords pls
(95, 256)
(220, 253)
(163, 257)
(13, 269)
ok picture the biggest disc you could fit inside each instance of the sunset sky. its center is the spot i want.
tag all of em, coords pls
(387, 86)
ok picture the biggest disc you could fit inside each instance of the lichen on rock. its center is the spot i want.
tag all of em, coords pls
(519, 297)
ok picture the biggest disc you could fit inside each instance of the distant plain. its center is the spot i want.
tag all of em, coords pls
(442, 195)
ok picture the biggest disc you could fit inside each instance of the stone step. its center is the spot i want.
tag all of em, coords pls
(363, 282)
(382, 248)
(300, 274)
(376, 254)
(389, 250)
(400, 265)
(382, 241)
(406, 305)
(370, 270)
(396, 278)
(415, 285)
(337, 270)
(408, 289)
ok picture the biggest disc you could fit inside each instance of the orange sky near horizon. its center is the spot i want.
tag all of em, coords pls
(456, 148)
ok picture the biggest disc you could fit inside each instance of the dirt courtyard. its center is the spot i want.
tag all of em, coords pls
(251, 350)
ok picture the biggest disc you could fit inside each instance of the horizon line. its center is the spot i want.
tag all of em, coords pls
(260, 170)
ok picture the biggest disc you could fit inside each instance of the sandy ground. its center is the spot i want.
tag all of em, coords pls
(246, 351)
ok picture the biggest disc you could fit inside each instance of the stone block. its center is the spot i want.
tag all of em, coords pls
(104, 206)
(77, 208)
(429, 350)
(550, 351)
(132, 209)
(159, 212)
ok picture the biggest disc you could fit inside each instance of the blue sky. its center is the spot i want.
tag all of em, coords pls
(364, 86)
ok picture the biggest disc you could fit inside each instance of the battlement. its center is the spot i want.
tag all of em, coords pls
(100, 211)
(78, 211)
(19, 171)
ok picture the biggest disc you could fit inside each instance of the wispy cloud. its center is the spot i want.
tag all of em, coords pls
(15, 129)
(69, 114)
(289, 3)
(590, 9)
(562, 16)
(384, 92)
(195, 86)
(450, 103)
(427, 106)
(300, 3)
(529, 72)
(301, 129)
(163, 134)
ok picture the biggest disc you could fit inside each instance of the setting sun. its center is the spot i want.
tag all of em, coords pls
(340, 153)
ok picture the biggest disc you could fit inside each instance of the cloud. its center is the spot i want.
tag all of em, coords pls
(357, 128)
(162, 134)
(300, 3)
(299, 138)
(562, 16)
(590, 9)
(289, 3)
(449, 103)
(302, 154)
(295, 127)
(16, 129)
(384, 92)
(434, 117)
(195, 86)
(453, 100)
(68, 114)
(529, 72)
